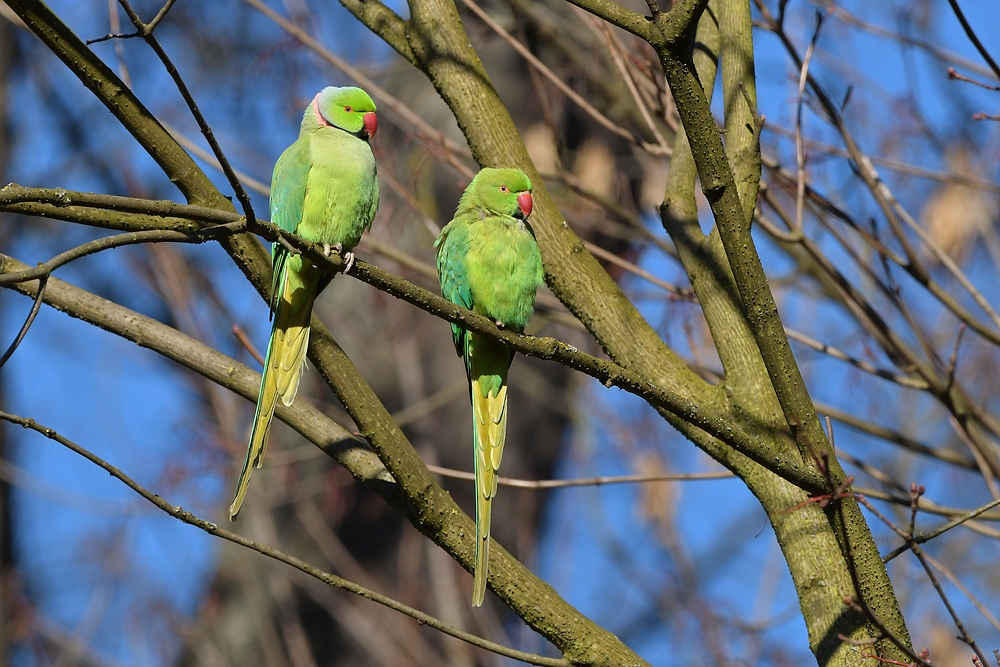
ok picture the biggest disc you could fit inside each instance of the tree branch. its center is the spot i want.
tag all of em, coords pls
(177, 512)
(703, 417)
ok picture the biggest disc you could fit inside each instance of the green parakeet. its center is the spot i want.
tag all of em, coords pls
(324, 188)
(488, 262)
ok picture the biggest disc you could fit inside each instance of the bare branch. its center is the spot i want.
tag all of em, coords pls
(589, 481)
(327, 578)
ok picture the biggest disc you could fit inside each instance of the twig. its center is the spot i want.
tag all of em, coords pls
(209, 158)
(241, 336)
(683, 293)
(954, 75)
(840, 13)
(912, 383)
(614, 48)
(180, 514)
(898, 166)
(35, 306)
(146, 31)
(915, 493)
(800, 155)
(960, 586)
(927, 537)
(575, 97)
(587, 481)
(139, 33)
(977, 454)
(894, 212)
(119, 240)
(115, 22)
(972, 38)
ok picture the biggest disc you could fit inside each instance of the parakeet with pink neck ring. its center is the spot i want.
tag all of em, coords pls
(488, 261)
(324, 189)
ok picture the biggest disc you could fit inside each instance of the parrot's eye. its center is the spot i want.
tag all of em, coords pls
(348, 109)
(503, 188)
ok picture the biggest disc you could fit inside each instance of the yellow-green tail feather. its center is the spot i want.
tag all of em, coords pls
(487, 366)
(283, 365)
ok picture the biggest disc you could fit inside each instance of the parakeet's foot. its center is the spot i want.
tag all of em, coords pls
(348, 256)
(499, 324)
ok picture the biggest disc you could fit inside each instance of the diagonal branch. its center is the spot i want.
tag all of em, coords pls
(177, 512)
(146, 32)
(611, 374)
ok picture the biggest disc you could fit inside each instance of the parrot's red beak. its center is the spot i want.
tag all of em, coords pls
(371, 123)
(524, 201)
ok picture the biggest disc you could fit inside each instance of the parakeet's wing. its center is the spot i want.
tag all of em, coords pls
(453, 246)
(288, 195)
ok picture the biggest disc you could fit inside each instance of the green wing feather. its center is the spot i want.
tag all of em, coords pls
(288, 195)
(453, 246)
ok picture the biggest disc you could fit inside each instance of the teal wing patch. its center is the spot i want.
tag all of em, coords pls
(452, 248)
(288, 185)
(288, 194)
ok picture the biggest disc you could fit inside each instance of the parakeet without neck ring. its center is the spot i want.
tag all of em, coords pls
(488, 262)
(324, 188)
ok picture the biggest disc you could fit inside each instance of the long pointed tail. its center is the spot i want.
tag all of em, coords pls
(487, 363)
(283, 365)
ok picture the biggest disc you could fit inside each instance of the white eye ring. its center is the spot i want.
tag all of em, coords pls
(503, 188)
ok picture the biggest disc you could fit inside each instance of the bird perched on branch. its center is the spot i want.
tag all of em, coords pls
(488, 262)
(324, 188)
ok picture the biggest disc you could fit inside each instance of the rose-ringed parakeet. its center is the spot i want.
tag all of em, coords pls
(488, 262)
(324, 189)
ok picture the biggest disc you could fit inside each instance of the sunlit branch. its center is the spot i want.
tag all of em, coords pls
(892, 165)
(861, 364)
(800, 155)
(960, 586)
(915, 493)
(842, 14)
(615, 49)
(893, 211)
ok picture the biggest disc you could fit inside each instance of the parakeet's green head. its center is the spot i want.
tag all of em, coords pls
(500, 191)
(350, 109)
